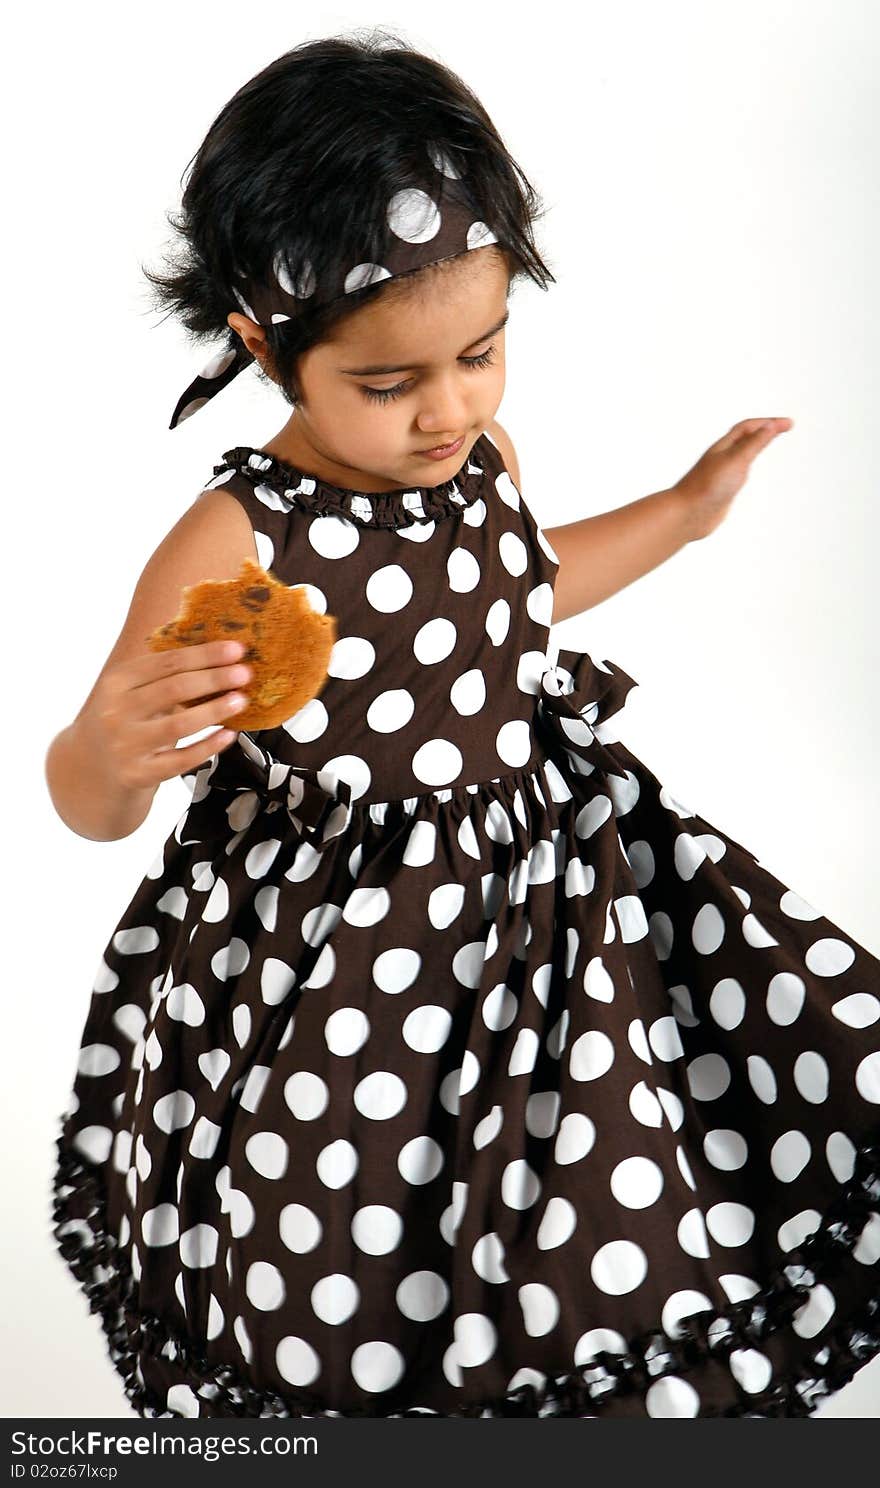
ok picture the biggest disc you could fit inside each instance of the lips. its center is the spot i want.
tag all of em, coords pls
(448, 448)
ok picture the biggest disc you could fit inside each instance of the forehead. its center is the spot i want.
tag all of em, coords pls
(453, 291)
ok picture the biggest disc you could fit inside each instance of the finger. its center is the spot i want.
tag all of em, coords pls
(739, 431)
(769, 428)
(747, 427)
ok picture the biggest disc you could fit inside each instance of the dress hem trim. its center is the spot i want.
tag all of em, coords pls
(99, 1265)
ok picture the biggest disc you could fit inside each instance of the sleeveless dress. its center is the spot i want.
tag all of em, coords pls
(443, 1063)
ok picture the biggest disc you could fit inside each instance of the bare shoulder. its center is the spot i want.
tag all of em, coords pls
(209, 541)
(508, 453)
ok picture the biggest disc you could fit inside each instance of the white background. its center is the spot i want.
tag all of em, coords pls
(713, 221)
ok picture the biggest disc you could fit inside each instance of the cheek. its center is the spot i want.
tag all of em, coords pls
(372, 428)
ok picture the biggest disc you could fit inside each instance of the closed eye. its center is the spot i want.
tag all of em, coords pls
(382, 395)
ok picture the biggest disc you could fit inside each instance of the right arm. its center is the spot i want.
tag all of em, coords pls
(89, 791)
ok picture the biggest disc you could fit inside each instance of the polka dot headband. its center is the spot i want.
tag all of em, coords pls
(423, 228)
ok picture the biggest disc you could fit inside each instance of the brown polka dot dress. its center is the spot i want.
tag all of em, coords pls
(443, 1063)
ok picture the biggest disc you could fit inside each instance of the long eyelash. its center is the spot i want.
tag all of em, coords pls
(382, 395)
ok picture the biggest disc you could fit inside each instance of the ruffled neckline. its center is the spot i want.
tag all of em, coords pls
(400, 507)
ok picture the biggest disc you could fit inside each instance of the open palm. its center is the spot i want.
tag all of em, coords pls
(710, 486)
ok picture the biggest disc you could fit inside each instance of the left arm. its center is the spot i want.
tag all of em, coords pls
(602, 554)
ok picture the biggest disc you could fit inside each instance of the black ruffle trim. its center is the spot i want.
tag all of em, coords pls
(102, 1271)
(388, 508)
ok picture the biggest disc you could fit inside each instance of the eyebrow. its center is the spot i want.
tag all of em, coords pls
(419, 366)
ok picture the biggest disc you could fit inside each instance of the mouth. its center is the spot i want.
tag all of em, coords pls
(442, 450)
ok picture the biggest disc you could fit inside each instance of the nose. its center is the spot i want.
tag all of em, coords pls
(446, 412)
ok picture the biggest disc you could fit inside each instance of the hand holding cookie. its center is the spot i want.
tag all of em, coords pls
(142, 706)
(251, 633)
(288, 644)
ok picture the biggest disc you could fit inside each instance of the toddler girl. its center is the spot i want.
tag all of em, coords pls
(443, 1063)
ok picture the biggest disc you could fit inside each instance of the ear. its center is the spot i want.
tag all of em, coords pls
(254, 337)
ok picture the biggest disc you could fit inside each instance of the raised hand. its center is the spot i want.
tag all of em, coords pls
(708, 489)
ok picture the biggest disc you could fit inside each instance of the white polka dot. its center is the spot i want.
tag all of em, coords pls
(180, 1398)
(376, 1229)
(391, 711)
(729, 1223)
(438, 762)
(264, 1285)
(542, 1112)
(672, 1397)
(725, 1149)
(857, 1010)
(97, 1059)
(346, 1030)
(636, 1182)
(267, 1153)
(618, 1267)
(789, 1155)
(434, 641)
(475, 1339)
(597, 981)
(708, 1076)
(297, 1362)
(499, 1008)
(868, 1078)
(707, 931)
(422, 1296)
(395, 970)
(557, 1225)
(751, 1369)
(306, 1095)
(299, 1228)
(520, 1184)
(539, 604)
(276, 980)
(335, 1298)
(463, 571)
(173, 1111)
(630, 912)
(829, 957)
(540, 1308)
(352, 657)
(366, 907)
(487, 1259)
(242, 1338)
(412, 215)
(135, 941)
(427, 1028)
(380, 1095)
(812, 1076)
(333, 537)
(198, 1246)
(762, 1078)
(337, 1164)
(591, 1056)
(513, 553)
(498, 622)
(231, 960)
(514, 743)
(444, 905)
(214, 1065)
(785, 998)
(576, 1137)
(376, 1365)
(420, 1160)
(160, 1226)
(468, 693)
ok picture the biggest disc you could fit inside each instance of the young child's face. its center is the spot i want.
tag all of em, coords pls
(348, 428)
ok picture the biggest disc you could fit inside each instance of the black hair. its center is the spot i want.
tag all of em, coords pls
(299, 163)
